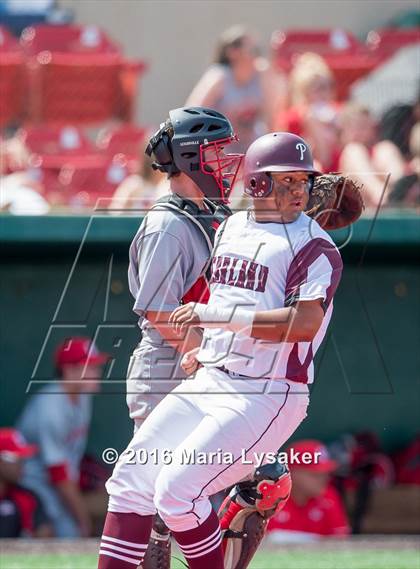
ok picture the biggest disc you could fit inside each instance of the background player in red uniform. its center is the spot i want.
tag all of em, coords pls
(21, 512)
(314, 508)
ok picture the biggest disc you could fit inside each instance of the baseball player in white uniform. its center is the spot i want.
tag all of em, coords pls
(274, 275)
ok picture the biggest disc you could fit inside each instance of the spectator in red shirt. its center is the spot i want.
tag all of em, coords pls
(140, 191)
(314, 508)
(21, 514)
(313, 112)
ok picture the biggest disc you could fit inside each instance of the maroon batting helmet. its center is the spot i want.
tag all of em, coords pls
(275, 152)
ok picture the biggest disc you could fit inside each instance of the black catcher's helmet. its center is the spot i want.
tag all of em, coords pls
(192, 141)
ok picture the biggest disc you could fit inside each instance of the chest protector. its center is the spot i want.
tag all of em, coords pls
(207, 221)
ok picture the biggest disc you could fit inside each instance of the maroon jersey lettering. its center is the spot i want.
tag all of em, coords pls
(262, 278)
(239, 273)
(252, 271)
(232, 272)
(240, 281)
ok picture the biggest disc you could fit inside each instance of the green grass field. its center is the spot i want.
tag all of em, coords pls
(340, 559)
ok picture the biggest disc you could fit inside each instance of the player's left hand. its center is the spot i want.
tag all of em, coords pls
(184, 316)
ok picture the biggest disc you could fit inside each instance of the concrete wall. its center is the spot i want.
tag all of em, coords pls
(177, 37)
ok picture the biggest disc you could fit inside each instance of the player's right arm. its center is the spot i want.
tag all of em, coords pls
(208, 89)
(298, 323)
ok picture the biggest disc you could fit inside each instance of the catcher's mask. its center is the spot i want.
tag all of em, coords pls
(275, 152)
(192, 141)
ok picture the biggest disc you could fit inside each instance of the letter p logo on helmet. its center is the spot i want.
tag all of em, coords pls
(302, 149)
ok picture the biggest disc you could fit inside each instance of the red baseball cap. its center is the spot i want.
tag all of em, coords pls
(13, 444)
(317, 458)
(79, 350)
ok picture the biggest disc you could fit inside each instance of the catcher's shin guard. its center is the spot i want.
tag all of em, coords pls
(158, 553)
(245, 512)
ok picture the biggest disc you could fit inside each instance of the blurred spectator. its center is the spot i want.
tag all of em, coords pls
(406, 190)
(374, 164)
(396, 125)
(313, 112)
(314, 508)
(21, 195)
(14, 155)
(241, 85)
(21, 513)
(20, 190)
(140, 191)
(57, 419)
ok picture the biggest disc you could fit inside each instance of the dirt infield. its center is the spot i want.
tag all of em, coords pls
(91, 546)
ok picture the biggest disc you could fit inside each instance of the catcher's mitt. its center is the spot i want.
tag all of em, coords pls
(335, 201)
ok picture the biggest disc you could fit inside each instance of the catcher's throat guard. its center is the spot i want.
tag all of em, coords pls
(244, 514)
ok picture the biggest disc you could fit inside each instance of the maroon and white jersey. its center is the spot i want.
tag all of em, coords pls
(262, 266)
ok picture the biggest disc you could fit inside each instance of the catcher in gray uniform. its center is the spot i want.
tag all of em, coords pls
(169, 258)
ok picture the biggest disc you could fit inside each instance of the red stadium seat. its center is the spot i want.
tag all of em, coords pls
(77, 89)
(12, 79)
(289, 43)
(71, 169)
(125, 139)
(85, 187)
(78, 75)
(48, 141)
(347, 58)
(53, 146)
(67, 39)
